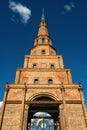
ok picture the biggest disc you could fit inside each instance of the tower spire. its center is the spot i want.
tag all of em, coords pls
(43, 17)
(43, 36)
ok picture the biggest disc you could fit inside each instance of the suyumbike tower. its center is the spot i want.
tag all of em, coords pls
(43, 85)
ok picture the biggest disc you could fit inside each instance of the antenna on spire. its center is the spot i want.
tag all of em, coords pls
(43, 17)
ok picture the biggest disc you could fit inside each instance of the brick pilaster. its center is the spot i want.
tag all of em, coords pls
(80, 89)
(65, 125)
(4, 105)
(23, 107)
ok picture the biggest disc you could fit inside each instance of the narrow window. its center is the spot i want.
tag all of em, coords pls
(34, 66)
(52, 66)
(43, 40)
(35, 81)
(43, 52)
(50, 81)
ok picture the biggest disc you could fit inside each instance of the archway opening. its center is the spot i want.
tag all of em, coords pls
(44, 115)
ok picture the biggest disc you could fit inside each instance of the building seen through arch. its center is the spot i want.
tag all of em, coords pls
(41, 120)
(43, 96)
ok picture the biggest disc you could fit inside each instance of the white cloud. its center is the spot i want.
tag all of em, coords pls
(42, 114)
(23, 11)
(1, 104)
(68, 7)
(72, 5)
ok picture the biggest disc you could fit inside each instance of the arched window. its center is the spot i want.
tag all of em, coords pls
(43, 52)
(50, 81)
(34, 65)
(36, 81)
(52, 66)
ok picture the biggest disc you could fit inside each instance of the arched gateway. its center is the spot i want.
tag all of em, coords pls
(43, 114)
(43, 96)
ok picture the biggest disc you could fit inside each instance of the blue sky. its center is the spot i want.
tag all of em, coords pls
(67, 26)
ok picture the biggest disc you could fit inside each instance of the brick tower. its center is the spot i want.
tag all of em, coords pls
(43, 86)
